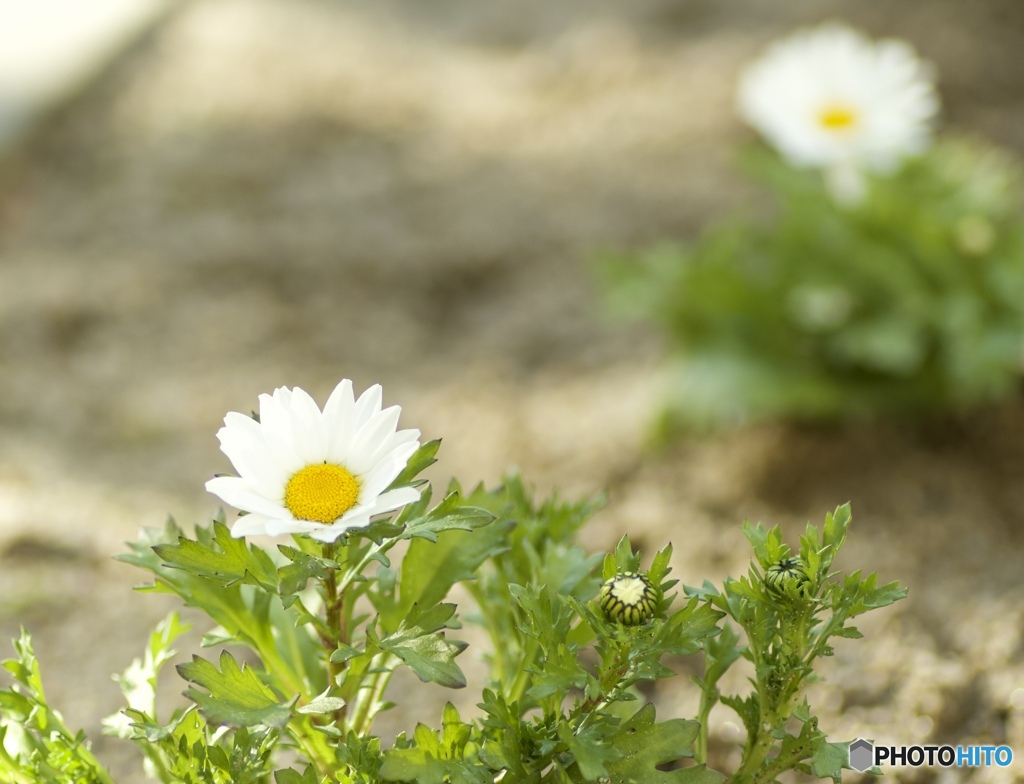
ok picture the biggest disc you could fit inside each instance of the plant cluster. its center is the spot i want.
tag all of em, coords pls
(306, 637)
(887, 276)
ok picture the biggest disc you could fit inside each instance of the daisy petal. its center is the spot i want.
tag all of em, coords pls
(393, 499)
(250, 525)
(237, 492)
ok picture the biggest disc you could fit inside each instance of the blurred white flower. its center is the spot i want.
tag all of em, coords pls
(303, 471)
(832, 98)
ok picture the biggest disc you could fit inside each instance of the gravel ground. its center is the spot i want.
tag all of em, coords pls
(274, 192)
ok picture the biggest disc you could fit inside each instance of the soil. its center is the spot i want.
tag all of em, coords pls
(288, 192)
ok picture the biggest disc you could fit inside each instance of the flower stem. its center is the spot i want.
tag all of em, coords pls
(336, 631)
(708, 699)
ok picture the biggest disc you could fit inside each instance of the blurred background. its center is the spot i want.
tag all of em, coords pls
(232, 195)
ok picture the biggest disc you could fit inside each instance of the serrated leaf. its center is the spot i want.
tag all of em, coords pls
(591, 751)
(303, 567)
(236, 697)
(644, 745)
(419, 643)
(829, 759)
(225, 559)
(449, 515)
(428, 762)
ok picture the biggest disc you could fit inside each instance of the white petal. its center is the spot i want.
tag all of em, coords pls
(252, 460)
(250, 525)
(244, 423)
(404, 442)
(278, 526)
(377, 479)
(367, 406)
(238, 493)
(339, 417)
(275, 421)
(332, 532)
(393, 499)
(307, 425)
(369, 437)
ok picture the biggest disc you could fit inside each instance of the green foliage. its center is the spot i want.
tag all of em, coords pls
(420, 643)
(317, 630)
(910, 300)
(644, 745)
(35, 745)
(786, 632)
(235, 696)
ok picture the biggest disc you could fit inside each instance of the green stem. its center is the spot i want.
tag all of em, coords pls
(315, 745)
(780, 764)
(336, 625)
(354, 572)
(501, 663)
(368, 706)
(708, 700)
(757, 753)
(523, 677)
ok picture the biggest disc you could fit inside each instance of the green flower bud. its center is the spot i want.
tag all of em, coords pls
(628, 598)
(787, 579)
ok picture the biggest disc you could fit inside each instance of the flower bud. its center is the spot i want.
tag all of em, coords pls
(628, 598)
(787, 579)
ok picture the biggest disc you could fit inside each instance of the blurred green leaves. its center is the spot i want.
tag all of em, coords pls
(911, 300)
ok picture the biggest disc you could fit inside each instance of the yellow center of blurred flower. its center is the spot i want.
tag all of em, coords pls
(837, 118)
(321, 493)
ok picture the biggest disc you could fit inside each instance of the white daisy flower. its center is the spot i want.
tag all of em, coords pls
(832, 98)
(303, 471)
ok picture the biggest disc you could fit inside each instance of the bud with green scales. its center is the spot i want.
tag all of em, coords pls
(787, 579)
(628, 598)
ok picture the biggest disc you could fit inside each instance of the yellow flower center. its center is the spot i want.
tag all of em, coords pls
(837, 118)
(321, 493)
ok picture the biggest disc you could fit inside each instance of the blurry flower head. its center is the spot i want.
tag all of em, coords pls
(306, 471)
(832, 98)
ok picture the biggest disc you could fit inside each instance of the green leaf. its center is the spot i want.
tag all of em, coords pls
(644, 745)
(289, 776)
(749, 711)
(237, 697)
(829, 759)
(431, 761)
(303, 567)
(590, 750)
(419, 643)
(430, 569)
(139, 682)
(248, 615)
(450, 514)
(224, 559)
(422, 458)
(623, 559)
(322, 704)
(343, 653)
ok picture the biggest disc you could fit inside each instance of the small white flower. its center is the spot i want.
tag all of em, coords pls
(831, 98)
(303, 471)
